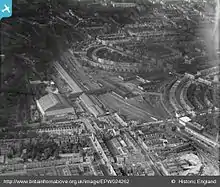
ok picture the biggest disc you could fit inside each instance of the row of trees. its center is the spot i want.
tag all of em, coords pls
(40, 149)
(44, 147)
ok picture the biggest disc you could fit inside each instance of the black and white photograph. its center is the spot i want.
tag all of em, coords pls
(110, 88)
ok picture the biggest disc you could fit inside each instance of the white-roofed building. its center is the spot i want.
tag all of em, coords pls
(52, 105)
(123, 4)
(184, 120)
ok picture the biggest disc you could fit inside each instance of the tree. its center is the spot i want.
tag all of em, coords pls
(47, 153)
(25, 157)
(9, 155)
(34, 153)
(56, 153)
(45, 136)
(38, 156)
(174, 128)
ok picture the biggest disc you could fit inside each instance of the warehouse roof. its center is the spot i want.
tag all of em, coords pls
(52, 101)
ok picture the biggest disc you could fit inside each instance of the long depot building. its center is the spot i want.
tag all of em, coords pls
(52, 105)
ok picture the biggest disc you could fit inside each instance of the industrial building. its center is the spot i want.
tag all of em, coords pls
(123, 4)
(52, 105)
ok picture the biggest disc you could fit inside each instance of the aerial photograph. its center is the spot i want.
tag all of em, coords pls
(110, 88)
